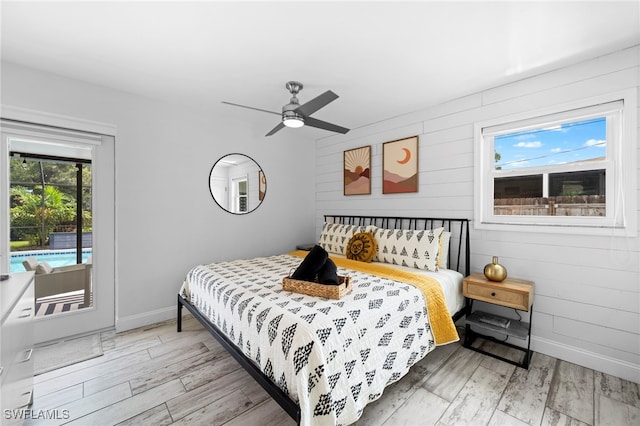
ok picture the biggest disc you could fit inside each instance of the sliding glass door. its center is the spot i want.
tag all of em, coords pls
(57, 223)
(50, 225)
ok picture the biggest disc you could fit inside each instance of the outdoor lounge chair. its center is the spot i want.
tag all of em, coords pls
(50, 281)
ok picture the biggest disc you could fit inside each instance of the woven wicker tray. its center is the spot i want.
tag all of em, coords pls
(315, 289)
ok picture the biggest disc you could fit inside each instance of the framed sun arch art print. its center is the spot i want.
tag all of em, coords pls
(357, 171)
(400, 166)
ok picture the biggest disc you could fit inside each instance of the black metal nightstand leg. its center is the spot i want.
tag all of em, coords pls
(470, 336)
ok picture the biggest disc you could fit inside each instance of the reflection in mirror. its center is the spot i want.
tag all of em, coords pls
(237, 183)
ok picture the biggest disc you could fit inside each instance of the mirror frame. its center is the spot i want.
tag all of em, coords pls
(259, 175)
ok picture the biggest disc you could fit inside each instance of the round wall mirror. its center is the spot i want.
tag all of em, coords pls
(237, 183)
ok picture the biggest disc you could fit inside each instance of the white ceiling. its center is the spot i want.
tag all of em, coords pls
(382, 58)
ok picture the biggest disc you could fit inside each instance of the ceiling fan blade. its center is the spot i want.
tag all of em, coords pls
(316, 103)
(248, 107)
(280, 126)
(313, 122)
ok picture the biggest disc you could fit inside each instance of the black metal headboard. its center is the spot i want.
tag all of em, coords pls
(459, 251)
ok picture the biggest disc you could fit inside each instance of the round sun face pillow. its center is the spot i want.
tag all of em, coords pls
(362, 246)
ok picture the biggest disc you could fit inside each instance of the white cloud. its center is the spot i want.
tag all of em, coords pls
(554, 150)
(602, 143)
(556, 128)
(535, 144)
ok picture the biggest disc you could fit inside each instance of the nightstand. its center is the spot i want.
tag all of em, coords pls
(510, 293)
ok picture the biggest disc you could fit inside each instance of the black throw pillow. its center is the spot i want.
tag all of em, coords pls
(328, 274)
(311, 264)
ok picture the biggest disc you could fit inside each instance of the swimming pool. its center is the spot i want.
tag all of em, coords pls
(55, 258)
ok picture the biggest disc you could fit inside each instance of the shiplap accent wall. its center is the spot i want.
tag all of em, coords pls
(587, 294)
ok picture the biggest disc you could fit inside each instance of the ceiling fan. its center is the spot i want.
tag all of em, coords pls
(296, 115)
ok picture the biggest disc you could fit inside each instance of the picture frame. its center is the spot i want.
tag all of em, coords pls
(400, 166)
(262, 185)
(357, 171)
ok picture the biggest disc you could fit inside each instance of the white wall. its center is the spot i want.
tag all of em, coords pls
(166, 219)
(587, 294)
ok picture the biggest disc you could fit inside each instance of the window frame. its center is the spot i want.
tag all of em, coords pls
(619, 164)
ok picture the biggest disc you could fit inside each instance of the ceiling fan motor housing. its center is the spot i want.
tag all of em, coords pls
(290, 117)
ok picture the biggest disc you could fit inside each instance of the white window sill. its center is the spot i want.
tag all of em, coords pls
(607, 231)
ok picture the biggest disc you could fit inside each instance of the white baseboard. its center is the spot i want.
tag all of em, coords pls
(146, 318)
(612, 366)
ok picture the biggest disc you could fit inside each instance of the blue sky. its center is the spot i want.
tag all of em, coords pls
(569, 142)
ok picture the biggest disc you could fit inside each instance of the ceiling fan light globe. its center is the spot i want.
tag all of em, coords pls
(293, 122)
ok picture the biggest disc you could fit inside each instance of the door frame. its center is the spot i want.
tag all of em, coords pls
(103, 312)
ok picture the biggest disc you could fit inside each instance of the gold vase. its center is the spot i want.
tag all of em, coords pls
(495, 271)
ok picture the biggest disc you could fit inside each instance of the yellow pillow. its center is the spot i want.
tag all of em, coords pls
(362, 246)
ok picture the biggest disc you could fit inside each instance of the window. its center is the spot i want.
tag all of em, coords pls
(559, 168)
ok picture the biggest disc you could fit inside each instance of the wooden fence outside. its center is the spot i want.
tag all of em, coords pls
(574, 205)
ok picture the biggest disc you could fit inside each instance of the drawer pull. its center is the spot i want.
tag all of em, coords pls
(493, 294)
(28, 354)
(28, 400)
(27, 314)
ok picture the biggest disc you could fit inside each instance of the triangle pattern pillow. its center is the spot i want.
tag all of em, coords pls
(334, 237)
(443, 252)
(414, 249)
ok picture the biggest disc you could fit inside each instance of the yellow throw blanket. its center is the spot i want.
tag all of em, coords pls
(444, 330)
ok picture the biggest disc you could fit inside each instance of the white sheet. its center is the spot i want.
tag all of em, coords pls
(450, 280)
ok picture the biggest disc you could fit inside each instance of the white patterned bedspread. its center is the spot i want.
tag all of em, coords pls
(331, 356)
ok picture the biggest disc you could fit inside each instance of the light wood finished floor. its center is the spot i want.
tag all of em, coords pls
(156, 376)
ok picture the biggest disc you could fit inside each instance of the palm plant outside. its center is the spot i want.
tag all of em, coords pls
(43, 200)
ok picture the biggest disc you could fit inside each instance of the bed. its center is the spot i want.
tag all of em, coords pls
(324, 360)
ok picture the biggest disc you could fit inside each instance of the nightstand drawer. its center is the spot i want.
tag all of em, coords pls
(512, 293)
(498, 296)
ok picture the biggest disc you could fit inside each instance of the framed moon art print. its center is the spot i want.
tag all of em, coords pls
(400, 166)
(357, 171)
